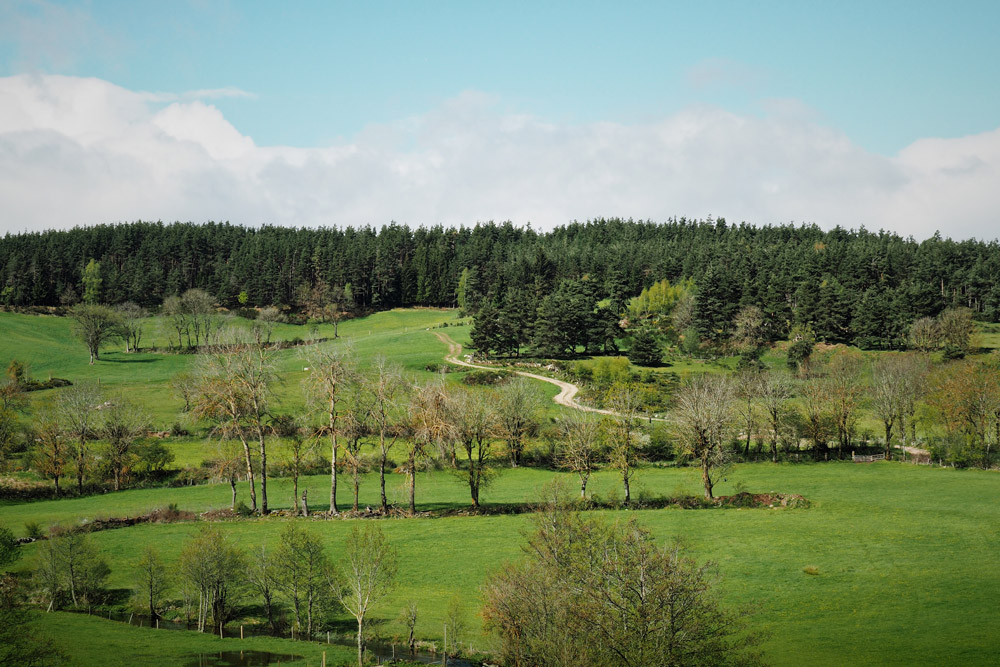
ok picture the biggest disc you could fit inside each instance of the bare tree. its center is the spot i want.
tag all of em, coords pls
(623, 431)
(365, 576)
(235, 393)
(703, 416)
(152, 578)
(473, 418)
(130, 319)
(305, 573)
(747, 388)
(297, 450)
(263, 576)
(925, 334)
(957, 328)
(913, 387)
(95, 324)
(581, 451)
(330, 370)
(266, 319)
(200, 309)
(356, 428)
(77, 410)
(386, 386)
(817, 418)
(178, 319)
(185, 385)
(216, 569)
(50, 451)
(775, 392)
(518, 408)
(593, 593)
(409, 618)
(845, 390)
(228, 465)
(428, 423)
(887, 394)
(123, 423)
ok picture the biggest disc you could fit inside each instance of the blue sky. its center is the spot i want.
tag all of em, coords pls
(863, 89)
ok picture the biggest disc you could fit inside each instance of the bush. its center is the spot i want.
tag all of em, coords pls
(33, 529)
(486, 378)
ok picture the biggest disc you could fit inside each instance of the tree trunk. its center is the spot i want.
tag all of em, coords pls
(357, 483)
(263, 471)
(413, 483)
(232, 483)
(888, 439)
(249, 461)
(295, 490)
(628, 492)
(56, 479)
(706, 479)
(333, 473)
(583, 488)
(381, 481)
(361, 649)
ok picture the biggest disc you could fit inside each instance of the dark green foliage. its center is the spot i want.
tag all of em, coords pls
(485, 378)
(849, 286)
(645, 349)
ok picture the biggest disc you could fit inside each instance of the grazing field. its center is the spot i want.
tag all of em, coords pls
(891, 564)
(903, 555)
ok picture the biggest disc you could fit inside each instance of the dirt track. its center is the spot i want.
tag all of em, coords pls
(564, 397)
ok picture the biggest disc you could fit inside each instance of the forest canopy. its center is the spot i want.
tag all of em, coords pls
(849, 286)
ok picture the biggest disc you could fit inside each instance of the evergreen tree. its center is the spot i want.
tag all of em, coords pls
(645, 349)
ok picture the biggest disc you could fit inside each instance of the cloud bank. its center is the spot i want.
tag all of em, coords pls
(79, 151)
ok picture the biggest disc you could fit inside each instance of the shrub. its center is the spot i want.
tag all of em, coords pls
(33, 529)
(486, 378)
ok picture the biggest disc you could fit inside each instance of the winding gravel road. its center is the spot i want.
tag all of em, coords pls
(566, 395)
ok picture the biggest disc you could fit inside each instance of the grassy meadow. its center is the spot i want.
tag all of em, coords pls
(901, 559)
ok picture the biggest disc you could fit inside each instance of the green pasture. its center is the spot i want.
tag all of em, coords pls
(905, 554)
(49, 348)
(91, 640)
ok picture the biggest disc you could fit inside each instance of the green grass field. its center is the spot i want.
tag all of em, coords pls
(905, 555)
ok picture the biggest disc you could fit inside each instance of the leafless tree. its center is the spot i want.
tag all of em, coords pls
(263, 577)
(330, 370)
(177, 318)
(747, 389)
(474, 421)
(581, 450)
(925, 334)
(386, 386)
(152, 578)
(200, 309)
(355, 427)
(845, 391)
(216, 569)
(957, 328)
(304, 574)
(298, 449)
(123, 423)
(817, 417)
(94, 324)
(624, 442)
(887, 393)
(518, 408)
(50, 451)
(365, 576)
(703, 418)
(185, 385)
(235, 394)
(130, 320)
(775, 392)
(428, 424)
(228, 466)
(77, 410)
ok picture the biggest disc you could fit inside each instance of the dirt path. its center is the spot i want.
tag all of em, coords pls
(565, 397)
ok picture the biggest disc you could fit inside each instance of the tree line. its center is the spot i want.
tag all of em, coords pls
(848, 286)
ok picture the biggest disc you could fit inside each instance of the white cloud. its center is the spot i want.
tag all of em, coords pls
(83, 151)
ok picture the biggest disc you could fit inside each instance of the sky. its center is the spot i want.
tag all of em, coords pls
(884, 115)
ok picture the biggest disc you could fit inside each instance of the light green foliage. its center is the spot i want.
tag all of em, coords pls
(92, 282)
(659, 299)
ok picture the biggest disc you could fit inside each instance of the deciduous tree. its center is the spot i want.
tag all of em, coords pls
(703, 417)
